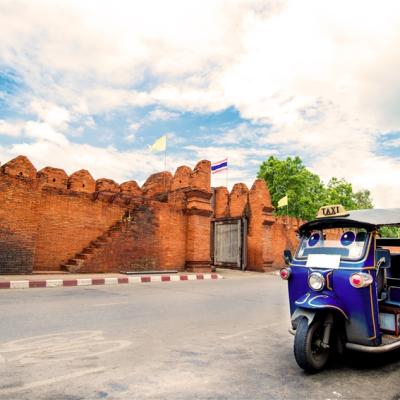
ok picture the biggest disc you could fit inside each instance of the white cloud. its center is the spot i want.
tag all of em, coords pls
(11, 128)
(244, 132)
(135, 126)
(51, 114)
(161, 115)
(323, 75)
(43, 132)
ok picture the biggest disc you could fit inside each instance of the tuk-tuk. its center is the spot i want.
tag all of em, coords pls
(344, 285)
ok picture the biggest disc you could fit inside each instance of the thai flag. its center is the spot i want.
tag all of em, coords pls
(219, 166)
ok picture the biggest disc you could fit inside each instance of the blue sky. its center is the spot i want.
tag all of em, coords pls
(92, 85)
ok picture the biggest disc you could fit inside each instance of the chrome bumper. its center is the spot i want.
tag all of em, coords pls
(383, 348)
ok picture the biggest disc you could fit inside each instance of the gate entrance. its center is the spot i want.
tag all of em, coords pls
(230, 248)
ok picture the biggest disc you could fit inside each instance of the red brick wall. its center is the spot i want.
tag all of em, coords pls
(132, 248)
(283, 234)
(172, 232)
(221, 202)
(19, 200)
(48, 219)
(68, 222)
(238, 200)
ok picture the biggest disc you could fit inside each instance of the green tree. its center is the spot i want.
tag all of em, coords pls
(290, 177)
(338, 191)
(305, 190)
(390, 232)
(363, 199)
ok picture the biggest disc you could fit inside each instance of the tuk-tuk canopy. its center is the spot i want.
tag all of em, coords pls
(370, 219)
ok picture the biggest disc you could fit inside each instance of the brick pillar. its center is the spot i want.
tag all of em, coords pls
(198, 231)
(199, 212)
(267, 249)
(259, 240)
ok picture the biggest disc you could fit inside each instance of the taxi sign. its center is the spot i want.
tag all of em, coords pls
(336, 210)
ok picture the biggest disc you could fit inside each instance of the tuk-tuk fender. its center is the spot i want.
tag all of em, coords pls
(318, 301)
(302, 313)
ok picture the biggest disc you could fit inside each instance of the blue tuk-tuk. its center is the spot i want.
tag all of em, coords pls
(344, 285)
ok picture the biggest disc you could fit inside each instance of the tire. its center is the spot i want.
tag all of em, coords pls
(308, 353)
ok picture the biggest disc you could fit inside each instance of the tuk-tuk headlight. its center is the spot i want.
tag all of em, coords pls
(316, 281)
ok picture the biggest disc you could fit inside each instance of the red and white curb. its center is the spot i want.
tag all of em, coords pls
(48, 283)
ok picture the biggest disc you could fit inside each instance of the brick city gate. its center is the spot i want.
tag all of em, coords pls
(230, 243)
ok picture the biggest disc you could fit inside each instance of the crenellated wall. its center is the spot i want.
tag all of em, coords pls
(51, 221)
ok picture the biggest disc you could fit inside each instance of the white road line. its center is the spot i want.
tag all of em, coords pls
(249, 331)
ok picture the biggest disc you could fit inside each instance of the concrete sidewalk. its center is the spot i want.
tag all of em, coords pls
(60, 279)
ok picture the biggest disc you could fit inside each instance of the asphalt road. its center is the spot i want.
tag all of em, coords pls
(224, 339)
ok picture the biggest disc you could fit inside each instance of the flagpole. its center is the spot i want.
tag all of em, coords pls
(287, 212)
(165, 166)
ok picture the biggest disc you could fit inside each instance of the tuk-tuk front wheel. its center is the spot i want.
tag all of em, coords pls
(309, 352)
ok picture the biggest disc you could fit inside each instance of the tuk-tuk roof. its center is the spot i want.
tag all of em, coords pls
(369, 219)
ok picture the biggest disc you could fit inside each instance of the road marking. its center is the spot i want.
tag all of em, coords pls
(60, 347)
(50, 381)
(249, 331)
(111, 304)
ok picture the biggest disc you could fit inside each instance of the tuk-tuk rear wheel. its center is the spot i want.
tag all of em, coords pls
(308, 350)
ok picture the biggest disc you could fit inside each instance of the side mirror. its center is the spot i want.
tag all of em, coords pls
(382, 263)
(287, 255)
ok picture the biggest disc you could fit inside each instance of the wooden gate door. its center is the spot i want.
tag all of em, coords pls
(230, 243)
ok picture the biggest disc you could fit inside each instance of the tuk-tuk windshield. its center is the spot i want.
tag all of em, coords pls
(349, 243)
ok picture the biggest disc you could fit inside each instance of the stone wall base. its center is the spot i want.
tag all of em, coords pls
(198, 266)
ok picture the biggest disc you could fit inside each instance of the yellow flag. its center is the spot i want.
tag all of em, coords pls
(283, 202)
(160, 144)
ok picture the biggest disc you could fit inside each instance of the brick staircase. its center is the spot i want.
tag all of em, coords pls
(77, 263)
